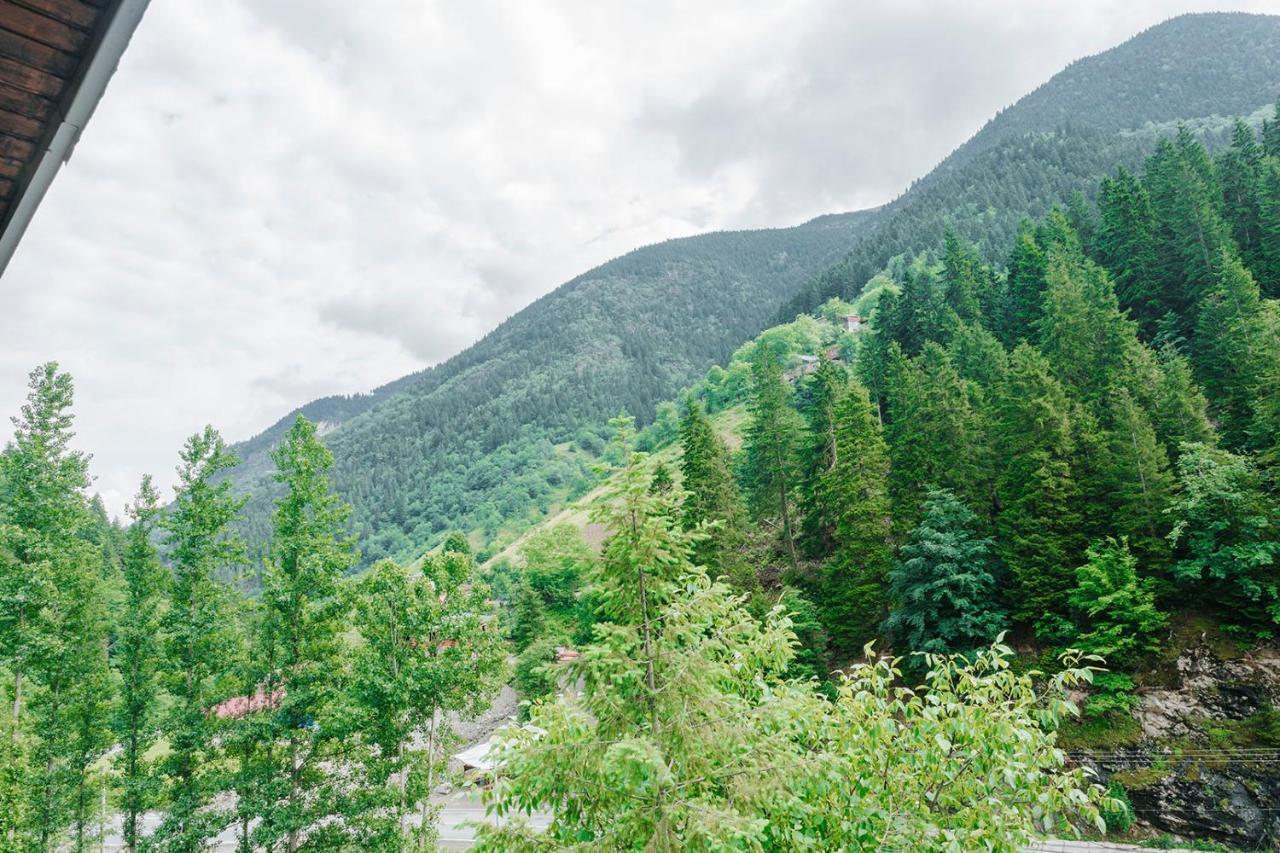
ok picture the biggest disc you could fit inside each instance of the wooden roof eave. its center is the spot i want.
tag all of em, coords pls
(84, 89)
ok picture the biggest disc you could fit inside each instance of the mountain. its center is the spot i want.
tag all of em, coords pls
(1098, 113)
(510, 426)
(507, 430)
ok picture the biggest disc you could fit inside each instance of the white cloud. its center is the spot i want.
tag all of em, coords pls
(278, 200)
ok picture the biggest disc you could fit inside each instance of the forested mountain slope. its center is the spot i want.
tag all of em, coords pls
(1079, 445)
(1100, 112)
(508, 427)
(493, 438)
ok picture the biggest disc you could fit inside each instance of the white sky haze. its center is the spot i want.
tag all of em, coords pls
(282, 199)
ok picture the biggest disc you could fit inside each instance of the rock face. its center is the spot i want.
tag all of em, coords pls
(1207, 764)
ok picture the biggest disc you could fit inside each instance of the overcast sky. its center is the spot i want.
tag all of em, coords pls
(282, 199)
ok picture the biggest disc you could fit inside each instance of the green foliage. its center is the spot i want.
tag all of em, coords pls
(555, 560)
(771, 446)
(427, 652)
(1116, 610)
(1112, 697)
(534, 676)
(200, 641)
(300, 628)
(53, 623)
(816, 401)
(1039, 519)
(938, 433)
(686, 734)
(811, 649)
(851, 585)
(1137, 477)
(529, 616)
(1225, 526)
(711, 500)
(943, 590)
(137, 659)
(1118, 813)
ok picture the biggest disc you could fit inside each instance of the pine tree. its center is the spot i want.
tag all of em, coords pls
(1240, 173)
(1233, 349)
(1264, 431)
(1271, 134)
(711, 496)
(1179, 408)
(52, 617)
(1115, 609)
(818, 403)
(978, 356)
(966, 280)
(1025, 281)
(1082, 332)
(1267, 269)
(1126, 245)
(855, 492)
(1039, 519)
(1139, 483)
(943, 590)
(936, 433)
(137, 650)
(771, 446)
(662, 481)
(200, 641)
(1190, 232)
(1228, 538)
(302, 627)
(529, 619)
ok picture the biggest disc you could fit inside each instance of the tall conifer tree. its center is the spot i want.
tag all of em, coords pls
(771, 445)
(855, 491)
(943, 591)
(1039, 522)
(303, 622)
(200, 641)
(137, 651)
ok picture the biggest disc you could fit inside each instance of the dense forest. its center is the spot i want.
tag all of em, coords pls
(1067, 448)
(865, 586)
(491, 440)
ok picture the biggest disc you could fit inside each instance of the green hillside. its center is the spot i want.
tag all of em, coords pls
(1098, 113)
(1077, 447)
(491, 438)
(497, 436)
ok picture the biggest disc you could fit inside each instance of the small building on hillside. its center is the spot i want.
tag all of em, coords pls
(853, 323)
(808, 365)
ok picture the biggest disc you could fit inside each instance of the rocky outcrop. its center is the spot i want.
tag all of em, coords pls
(1207, 762)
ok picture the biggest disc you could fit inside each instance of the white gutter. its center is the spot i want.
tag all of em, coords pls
(104, 58)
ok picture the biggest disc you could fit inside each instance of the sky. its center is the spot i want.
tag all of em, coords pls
(278, 200)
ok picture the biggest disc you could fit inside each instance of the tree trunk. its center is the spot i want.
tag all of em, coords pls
(431, 766)
(786, 518)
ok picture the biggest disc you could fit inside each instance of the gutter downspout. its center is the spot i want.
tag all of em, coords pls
(75, 115)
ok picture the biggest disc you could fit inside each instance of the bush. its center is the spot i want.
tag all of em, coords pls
(1117, 810)
(1113, 694)
(534, 676)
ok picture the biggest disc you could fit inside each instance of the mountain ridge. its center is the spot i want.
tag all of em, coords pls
(496, 436)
